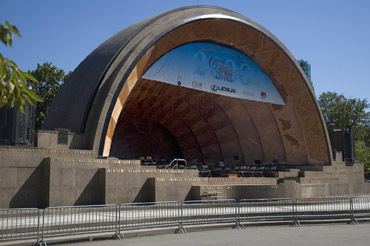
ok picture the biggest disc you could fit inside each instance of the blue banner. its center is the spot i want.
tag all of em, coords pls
(217, 69)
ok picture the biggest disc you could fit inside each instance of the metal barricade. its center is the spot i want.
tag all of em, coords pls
(261, 210)
(16, 224)
(360, 207)
(72, 220)
(149, 215)
(323, 208)
(19, 223)
(209, 212)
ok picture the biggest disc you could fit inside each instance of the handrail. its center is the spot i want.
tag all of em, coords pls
(33, 223)
(175, 162)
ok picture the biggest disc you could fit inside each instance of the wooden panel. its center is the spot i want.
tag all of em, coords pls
(169, 108)
(276, 141)
(291, 133)
(144, 137)
(268, 132)
(244, 127)
(220, 124)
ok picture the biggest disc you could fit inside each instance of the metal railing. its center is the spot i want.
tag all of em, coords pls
(209, 212)
(325, 208)
(31, 223)
(149, 215)
(360, 207)
(19, 223)
(261, 210)
(174, 164)
(71, 220)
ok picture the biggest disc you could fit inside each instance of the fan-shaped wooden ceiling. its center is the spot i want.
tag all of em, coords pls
(212, 127)
(127, 112)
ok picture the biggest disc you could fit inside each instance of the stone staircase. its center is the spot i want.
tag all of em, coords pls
(290, 175)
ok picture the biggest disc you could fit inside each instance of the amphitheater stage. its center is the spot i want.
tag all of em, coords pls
(40, 177)
(198, 83)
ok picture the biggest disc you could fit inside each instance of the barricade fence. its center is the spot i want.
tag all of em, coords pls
(38, 224)
(19, 223)
(209, 212)
(261, 210)
(71, 220)
(326, 208)
(360, 207)
(149, 215)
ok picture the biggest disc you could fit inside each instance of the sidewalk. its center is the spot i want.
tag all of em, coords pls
(307, 235)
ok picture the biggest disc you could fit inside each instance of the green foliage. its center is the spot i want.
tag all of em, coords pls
(14, 91)
(363, 155)
(50, 80)
(6, 33)
(340, 112)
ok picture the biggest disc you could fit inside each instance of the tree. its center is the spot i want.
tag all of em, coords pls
(14, 91)
(363, 155)
(340, 112)
(50, 80)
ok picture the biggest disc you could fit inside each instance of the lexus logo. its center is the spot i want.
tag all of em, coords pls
(215, 88)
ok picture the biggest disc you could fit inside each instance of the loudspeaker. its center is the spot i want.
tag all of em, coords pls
(17, 128)
(348, 153)
(336, 139)
(343, 140)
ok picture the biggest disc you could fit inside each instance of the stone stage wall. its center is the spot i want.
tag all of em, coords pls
(40, 177)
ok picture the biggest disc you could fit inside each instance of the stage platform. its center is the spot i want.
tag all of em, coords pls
(40, 177)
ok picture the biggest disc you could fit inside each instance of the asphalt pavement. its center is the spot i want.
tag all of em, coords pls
(310, 235)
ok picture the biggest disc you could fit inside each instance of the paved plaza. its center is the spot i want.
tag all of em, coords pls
(317, 235)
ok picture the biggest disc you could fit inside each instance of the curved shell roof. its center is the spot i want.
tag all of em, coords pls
(117, 112)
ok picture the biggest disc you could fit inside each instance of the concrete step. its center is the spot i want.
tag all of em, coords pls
(289, 173)
(308, 174)
(342, 180)
(289, 180)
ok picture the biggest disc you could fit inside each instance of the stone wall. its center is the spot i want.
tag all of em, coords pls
(49, 139)
(141, 185)
(22, 177)
(39, 177)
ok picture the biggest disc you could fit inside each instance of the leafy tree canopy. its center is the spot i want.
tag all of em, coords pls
(363, 155)
(340, 112)
(14, 91)
(50, 80)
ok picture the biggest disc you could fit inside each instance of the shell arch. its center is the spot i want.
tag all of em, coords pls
(115, 110)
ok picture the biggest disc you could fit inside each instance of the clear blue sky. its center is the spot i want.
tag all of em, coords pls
(333, 35)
